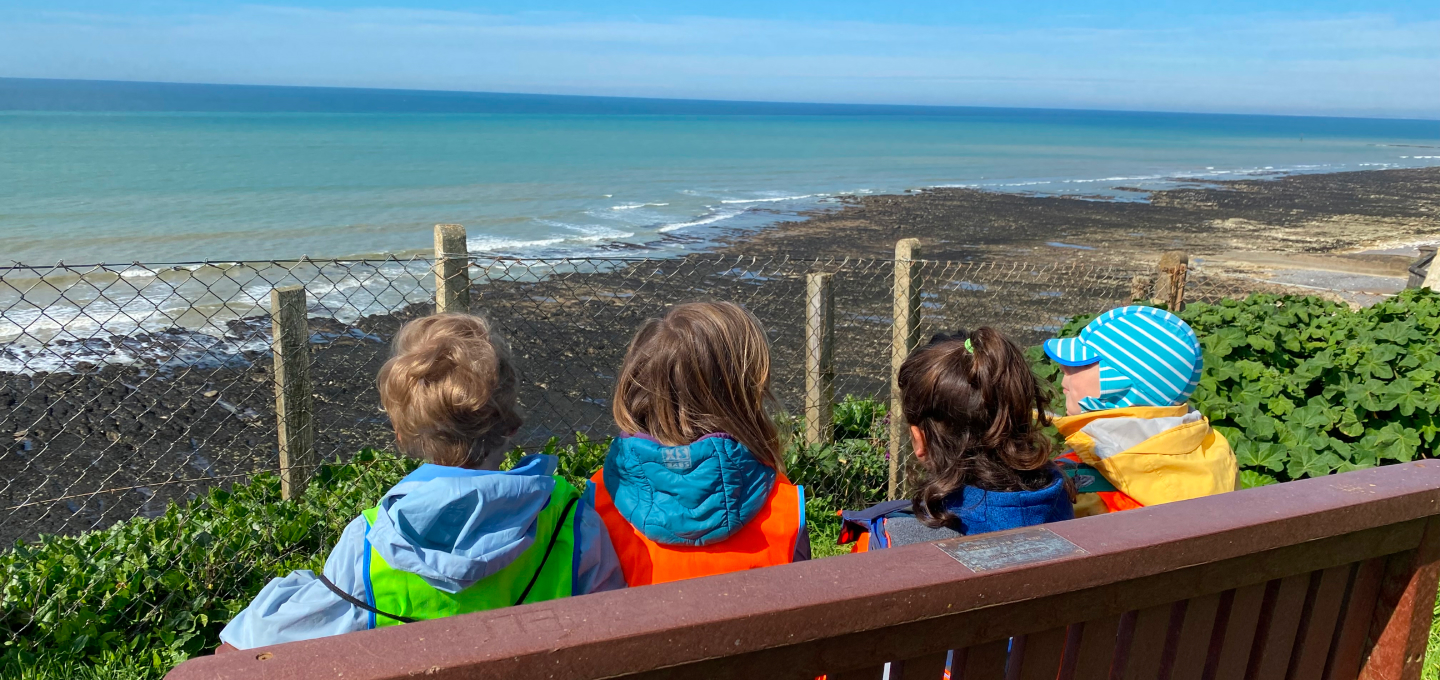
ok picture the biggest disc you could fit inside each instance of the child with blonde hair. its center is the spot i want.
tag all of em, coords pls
(696, 485)
(457, 535)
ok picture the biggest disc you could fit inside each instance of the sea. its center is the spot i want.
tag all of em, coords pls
(173, 175)
(119, 172)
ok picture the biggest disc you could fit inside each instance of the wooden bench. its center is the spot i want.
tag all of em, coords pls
(1331, 578)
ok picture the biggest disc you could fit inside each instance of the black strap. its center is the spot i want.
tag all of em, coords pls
(878, 510)
(553, 535)
(405, 619)
(359, 602)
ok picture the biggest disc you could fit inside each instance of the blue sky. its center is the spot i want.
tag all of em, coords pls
(1379, 58)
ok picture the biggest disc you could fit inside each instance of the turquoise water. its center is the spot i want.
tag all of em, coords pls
(171, 186)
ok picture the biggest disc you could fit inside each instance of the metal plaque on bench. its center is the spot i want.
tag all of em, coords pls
(1009, 549)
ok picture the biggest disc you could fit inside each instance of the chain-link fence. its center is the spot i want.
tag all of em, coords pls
(124, 388)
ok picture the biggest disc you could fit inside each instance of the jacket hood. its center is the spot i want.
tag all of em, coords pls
(1154, 454)
(697, 494)
(983, 511)
(454, 527)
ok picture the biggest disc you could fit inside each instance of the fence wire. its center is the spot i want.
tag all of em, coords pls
(126, 388)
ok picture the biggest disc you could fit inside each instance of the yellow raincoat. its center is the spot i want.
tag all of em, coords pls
(1150, 454)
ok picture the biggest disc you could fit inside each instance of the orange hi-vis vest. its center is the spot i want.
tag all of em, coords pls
(766, 540)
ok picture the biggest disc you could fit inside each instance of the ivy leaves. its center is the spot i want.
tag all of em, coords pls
(153, 591)
(1303, 387)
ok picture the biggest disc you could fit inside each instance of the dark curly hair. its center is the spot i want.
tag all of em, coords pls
(981, 410)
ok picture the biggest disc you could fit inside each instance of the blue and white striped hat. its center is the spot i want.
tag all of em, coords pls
(1147, 356)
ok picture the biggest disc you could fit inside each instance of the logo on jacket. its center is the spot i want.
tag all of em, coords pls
(677, 458)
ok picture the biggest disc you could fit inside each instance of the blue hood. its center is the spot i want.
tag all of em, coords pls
(983, 511)
(454, 526)
(697, 494)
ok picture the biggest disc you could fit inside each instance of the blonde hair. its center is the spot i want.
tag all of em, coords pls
(449, 388)
(703, 368)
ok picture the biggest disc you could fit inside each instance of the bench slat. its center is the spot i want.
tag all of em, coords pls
(928, 667)
(1280, 625)
(1195, 636)
(1344, 661)
(1320, 624)
(1240, 632)
(1039, 654)
(983, 661)
(1147, 643)
(1097, 649)
(866, 673)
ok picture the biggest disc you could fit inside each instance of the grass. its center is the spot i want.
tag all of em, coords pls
(1432, 657)
(68, 669)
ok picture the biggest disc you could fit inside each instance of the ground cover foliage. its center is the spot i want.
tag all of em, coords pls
(1300, 386)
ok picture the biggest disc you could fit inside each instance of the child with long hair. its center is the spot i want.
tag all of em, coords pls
(696, 485)
(976, 414)
(457, 535)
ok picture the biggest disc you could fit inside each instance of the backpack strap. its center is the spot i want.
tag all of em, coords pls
(559, 525)
(1087, 479)
(854, 523)
(361, 603)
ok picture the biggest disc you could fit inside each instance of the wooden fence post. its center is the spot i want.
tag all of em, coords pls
(1140, 287)
(905, 333)
(293, 411)
(452, 269)
(1170, 284)
(1426, 259)
(1432, 276)
(819, 359)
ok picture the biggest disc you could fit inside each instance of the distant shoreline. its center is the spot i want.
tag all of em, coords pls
(1302, 213)
(80, 94)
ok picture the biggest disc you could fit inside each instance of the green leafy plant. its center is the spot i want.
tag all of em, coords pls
(578, 461)
(851, 473)
(857, 418)
(1303, 387)
(147, 593)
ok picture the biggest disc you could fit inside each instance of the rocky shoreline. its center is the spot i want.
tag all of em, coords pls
(1318, 213)
(147, 433)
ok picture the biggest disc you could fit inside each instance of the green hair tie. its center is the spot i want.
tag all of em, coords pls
(968, 348)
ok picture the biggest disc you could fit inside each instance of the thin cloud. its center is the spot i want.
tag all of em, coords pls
(1359, 64)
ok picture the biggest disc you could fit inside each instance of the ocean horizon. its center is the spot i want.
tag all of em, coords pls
(103, 171)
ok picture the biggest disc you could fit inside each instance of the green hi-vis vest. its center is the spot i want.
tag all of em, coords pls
(404, 594)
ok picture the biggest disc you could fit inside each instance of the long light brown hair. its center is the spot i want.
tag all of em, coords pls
(702, 368)
(449, 389)
(982, 412)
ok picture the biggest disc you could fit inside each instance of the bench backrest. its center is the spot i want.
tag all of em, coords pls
(1329, 578)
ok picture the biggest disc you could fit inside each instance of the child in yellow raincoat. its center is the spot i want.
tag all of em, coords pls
(1134, 441)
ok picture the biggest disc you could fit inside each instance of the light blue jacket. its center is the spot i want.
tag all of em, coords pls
(451, 526)
(697, 494)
